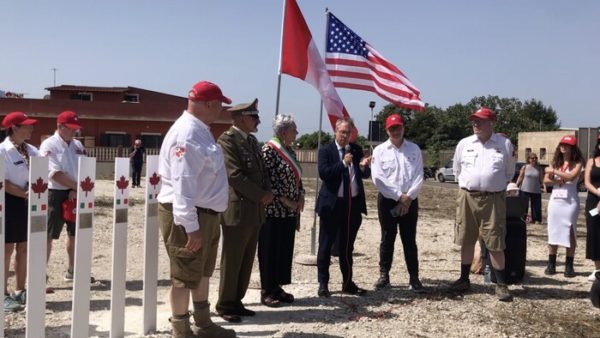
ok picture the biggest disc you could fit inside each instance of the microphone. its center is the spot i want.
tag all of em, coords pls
(347, 149)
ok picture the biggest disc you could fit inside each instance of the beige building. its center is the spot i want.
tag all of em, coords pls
(543, 143)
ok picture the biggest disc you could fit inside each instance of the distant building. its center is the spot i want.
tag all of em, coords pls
(111, 116)
(543, 143)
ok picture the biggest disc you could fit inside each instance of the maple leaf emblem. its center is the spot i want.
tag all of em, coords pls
(122, 183)
(179, 151)
(154, 180)
(87, 185)
(39, 186)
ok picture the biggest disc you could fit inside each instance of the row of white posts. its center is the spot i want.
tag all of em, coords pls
(37, 242)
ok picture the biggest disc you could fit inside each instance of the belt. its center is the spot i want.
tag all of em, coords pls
(207, 211)
(481, 193)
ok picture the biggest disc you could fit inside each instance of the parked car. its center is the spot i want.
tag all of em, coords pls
(445, 173)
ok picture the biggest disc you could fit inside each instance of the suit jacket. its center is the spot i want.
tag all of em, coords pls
(332, 171)
(248, 180)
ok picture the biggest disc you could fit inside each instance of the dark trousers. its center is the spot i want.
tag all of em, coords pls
(237, 257)
(408, 234)
(344, 221)
(536, 206)
(136, 173)
(275, 252)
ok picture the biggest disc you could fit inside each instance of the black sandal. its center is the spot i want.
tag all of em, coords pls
(270, 301)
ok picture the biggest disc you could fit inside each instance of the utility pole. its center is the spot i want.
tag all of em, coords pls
(54, 71)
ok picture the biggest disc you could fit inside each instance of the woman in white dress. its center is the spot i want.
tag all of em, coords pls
(563, 207)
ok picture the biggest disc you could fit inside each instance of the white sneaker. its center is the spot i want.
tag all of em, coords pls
(592, 276)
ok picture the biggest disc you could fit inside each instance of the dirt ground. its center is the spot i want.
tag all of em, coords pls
(543, 307)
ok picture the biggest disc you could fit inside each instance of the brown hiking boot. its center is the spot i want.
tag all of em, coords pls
(503, 294)
(181, 327)
(213, 331)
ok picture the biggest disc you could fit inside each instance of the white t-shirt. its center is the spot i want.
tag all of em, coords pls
(16, 169)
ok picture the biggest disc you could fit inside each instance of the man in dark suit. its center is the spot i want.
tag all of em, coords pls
(341, 201)
(249, 193)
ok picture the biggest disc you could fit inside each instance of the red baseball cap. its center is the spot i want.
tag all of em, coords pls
(207, 91)
(17, 118)
(484, 114)
(394, 120)
(569, 139)
(69, 119)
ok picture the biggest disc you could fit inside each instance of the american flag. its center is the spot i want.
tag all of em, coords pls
(353, 63)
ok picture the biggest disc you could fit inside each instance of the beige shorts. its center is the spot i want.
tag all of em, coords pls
(187, 267)
(481, 212)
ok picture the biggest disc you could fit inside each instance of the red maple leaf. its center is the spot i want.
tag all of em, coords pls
(122, 183)
(87, 185)
(39, 186)
(154, 180)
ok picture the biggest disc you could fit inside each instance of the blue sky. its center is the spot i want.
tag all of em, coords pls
(451, 50)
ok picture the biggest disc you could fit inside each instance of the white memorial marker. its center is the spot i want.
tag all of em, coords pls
(151, 244)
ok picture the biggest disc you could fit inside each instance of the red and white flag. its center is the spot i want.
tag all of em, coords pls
(353, 63)
(301, 58)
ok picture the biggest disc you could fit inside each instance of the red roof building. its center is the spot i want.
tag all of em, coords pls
(111, 116)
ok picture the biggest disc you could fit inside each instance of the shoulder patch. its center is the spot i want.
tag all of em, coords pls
(179, 151)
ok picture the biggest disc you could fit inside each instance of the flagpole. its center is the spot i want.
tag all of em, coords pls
(279, 68)
(313, 230)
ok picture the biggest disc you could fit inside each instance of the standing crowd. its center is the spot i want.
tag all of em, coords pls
(253, 197)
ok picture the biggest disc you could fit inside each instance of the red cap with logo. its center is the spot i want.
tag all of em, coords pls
(484, 114)
(207, 91)
(69, 119)
(17, 118)
(394, 120)
(569, 139)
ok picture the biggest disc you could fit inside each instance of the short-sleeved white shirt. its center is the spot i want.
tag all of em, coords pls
(62, 156)
(396, 171)
(192, 170)
(16, 169)
(485, 166)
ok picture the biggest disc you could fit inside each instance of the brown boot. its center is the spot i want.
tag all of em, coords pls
(181, 327)
(203, 325)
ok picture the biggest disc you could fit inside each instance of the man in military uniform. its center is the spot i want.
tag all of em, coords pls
(249, 193)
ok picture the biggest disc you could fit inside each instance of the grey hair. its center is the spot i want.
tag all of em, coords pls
(348, 120)
(282, 122)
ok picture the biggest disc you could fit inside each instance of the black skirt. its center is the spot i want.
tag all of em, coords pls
(16, 219)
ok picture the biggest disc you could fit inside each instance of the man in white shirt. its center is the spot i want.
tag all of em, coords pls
(397, 171)
(193, 193)
(483, 165)
(63, 152)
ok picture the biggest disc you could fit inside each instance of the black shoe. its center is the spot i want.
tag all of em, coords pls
(416, 286)
(550, 269)
(242, 311)
(383, 281)
(324, 291)
(569, 271)
(352, 289)
(231, 318)
(460, 285)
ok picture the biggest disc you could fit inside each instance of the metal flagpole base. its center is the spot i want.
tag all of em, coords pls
(306, 259)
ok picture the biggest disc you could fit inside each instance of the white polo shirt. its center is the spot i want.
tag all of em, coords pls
(192, 171)
(16, 170)
(62, 156)
(397, 170)
(485, 166)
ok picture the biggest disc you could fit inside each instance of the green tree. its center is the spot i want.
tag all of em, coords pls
(310, 141)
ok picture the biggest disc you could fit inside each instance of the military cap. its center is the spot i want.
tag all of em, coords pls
(245, 108)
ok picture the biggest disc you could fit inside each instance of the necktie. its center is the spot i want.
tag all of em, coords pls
(254, 145)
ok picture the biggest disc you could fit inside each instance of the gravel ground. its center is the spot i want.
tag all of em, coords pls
(543, 306)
